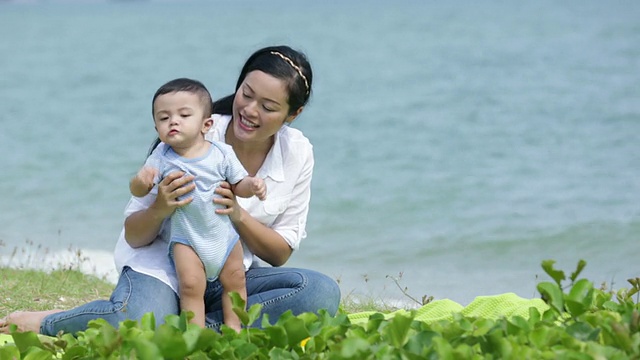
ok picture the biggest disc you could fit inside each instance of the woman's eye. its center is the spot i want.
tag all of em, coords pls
(267, 108)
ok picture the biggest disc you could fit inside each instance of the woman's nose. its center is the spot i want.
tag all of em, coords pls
(251, 109)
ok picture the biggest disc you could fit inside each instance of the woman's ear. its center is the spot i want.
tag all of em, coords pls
(292, 117)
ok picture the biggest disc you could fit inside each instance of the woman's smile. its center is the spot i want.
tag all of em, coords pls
(246, 124)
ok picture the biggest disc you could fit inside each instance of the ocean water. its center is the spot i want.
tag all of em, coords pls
(458, 144)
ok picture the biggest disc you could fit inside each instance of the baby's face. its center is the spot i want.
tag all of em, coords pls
(179, 118)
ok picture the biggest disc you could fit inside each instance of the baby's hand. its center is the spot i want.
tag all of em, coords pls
(142, 183)
(259, 188)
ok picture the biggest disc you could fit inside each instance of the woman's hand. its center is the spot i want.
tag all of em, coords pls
(263, 241)
(142, 227)
(170, 189)
(229, 201)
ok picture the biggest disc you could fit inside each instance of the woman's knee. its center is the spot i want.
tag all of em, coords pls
(150, 295)
(326, 292)
(298, 290)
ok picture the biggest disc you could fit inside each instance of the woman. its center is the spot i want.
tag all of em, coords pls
(272, 90)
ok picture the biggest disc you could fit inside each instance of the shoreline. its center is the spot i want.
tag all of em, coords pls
(97, 263)
(100, 264)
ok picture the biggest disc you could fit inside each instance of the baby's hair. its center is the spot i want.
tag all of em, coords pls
(186, 85)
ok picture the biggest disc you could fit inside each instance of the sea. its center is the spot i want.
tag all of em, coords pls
(458, 144)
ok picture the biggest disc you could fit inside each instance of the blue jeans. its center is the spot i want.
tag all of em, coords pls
(134, 295)
(277, 289)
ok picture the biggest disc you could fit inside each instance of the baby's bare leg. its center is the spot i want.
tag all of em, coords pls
(232, 278)
(193, 281)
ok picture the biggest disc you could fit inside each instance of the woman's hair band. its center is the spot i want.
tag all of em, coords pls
(293, 65)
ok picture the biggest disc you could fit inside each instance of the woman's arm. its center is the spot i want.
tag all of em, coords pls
(275, 243)
(142, 226)
(263, 241)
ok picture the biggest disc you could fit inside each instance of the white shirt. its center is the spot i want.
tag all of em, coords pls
(287, 171)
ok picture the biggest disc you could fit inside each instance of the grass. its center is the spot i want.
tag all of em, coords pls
(27, 289)
(25, 286)
(34, 290)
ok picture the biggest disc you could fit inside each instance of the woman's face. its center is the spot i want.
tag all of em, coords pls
(260, 107)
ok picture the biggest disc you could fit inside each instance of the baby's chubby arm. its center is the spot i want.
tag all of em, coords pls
(142, 182)
(250, 186)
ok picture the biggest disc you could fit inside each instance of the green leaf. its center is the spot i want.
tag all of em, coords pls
(421, 341)
(254, 313)
(581, 291)
(534, 316)
(38, 354)
(173, 320)
(25, 340)
(170, 342)
(580, 297)
(352, 347)
(265, 320)
(245, 350)
(146, 350)
(540, 337)
(574, 275)
(109, 336)
(207, 338)
(557, 275)
(185, 318)
(148, 321)
(443, 348)
(296, 331)
(97, 323)
(74, 352)
(516, 325)
(239, 304)
(281, 354)
(69, 339)
(482, 326)
(191, 337)
(397, 329)
(552, 295)
(277, 336)
(583, 331)
(575, 308)
(9, 352)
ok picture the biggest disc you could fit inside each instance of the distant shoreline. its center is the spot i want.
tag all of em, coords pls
(89, 262)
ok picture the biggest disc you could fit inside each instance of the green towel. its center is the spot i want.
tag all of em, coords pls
(5, 339)
(490, 307)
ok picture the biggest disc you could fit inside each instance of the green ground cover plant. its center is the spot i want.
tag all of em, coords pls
(582, 322)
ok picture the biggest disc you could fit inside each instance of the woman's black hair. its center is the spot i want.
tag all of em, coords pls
(268, 61)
